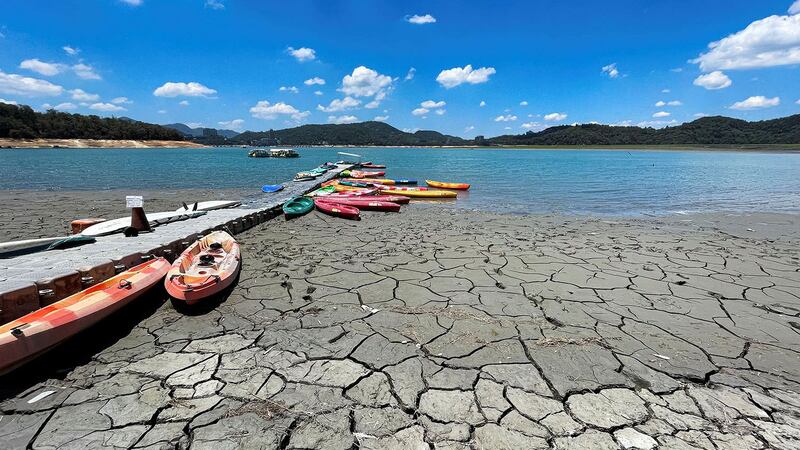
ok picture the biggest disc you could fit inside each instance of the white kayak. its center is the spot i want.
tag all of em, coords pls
(208, 206)
(155, 219)
(28, 245)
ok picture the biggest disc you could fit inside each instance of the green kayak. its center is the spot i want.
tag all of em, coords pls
(297, 207)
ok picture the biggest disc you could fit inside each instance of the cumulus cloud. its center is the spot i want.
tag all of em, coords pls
(215, 4)
(132, 2)
(318, 93)
(665, 91)
(66, 106)
(713, 81)
(340, 104)
(662, 103)
(303, 53)
(421, 20)
(555, 117)
(661, 114)
(756, 102)
(121, 101)
(86, 72)
(14, 84)
(523, 103)
(235, 124)
(8, 102)
(265, 110)
(190, 89)
(313, 81)
(772, 41)
(798, 101)
(41, 67)
(451, 78)
(430, 104)
(381, 118)
(795, 7)
(365, 82)
(342, 119)
(106, 107)
(410, 75)
(184, 102)
(469, 128)
(291, 89)
(505, 118)
(71, 51)
(420, 111)
(482, 104)
(83, 96)
(440, 112)
(611, 70)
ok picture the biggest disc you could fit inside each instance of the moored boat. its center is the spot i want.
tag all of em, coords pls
(337, 209)
(444, 185)
(270, 188)
(430, 193)
(206, 268)
(297, 206)
(366, 203)
(372, 166)
(41, 330)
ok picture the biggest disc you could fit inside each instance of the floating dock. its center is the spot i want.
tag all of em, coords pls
(28, 282)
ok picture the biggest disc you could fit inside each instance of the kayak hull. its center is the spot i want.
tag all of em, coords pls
(297, 207)
(33, 334)
(338, 209)
(443, 185)
(365, 203)
(270, 188)
(192, 278)
(431, 193)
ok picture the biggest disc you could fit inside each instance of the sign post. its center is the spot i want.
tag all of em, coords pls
(139, 220)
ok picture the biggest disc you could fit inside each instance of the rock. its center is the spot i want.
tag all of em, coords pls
(609, 408)
(630, 439)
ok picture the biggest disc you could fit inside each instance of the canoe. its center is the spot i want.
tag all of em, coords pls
(41, 330)
(155, 219)
(432, 193)
(269, 188)
(208, 206)
(366, 203)
(399, 199)
(372, 166)
(337, 209)
(402, 188)
(323, 191)
(298, 206)
(71, 241)
(354, 184)
(206, 268)
(299, 179)
(443, 185)
(363, 174)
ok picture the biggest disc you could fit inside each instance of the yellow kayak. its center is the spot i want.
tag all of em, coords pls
(430, 193)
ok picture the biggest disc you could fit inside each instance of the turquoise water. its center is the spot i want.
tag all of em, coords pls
(517, 181)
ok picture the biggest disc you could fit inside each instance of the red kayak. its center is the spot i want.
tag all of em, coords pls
(365, 203)
(399, 199)
(373, 166)
(337, 209)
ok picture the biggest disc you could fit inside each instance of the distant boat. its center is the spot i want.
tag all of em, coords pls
(273, 153)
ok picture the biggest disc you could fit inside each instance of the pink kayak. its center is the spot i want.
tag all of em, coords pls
(399, 199)
(400, 188)
(365, 203)
(337, 209)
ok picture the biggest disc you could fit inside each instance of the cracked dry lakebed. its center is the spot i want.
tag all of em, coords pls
(446, 329)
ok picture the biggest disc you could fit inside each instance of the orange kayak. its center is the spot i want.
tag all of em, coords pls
(205, 268)
(443, 185)
(33, 334)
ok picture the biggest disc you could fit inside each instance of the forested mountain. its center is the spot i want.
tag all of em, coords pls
(364, 133)
(190, 132)
(22, 122)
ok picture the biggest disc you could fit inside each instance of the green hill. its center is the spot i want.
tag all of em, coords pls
(364, 133)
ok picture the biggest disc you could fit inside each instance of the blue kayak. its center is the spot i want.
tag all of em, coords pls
(271, 187)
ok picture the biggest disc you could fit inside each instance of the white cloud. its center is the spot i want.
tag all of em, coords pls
(340, 104)
(714, 80)
(676, 70)
(86, 72)
(162, 111)
(194, 124)
(655, 123)
(661, 114)
(662, 103)
(421, 20)
(107, 107)
(235, 124)
(11, 83)
(451, 78)
(381, 118)
(215, 4)
(756, 102)
(482, 104)
(184, 102)
(41, 67)
(523, 103)
(440, 112)
(264, 110)
(506, 118)
(303, 53)
(121, 101)
(71, 51)
(365, 82)
(318, 93)
(554, 117)
(8, 102)
(507, 128)
(191, 89)
(772, 41)
(342, 119)
(420, 111)
(665, 91)
(83, 96)
(531, 125)
(700, 115)
(611, 70)
(798, 102)
(313, 81)
(410, 75)
(430, 104)
(65, 106)
(132, 2)
(469, 128)
(795, 8)
(291, 89)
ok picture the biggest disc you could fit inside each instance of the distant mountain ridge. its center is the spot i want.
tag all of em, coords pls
(364, 133)
(188, 131)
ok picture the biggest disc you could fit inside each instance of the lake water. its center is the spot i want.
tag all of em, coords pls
(518, 181)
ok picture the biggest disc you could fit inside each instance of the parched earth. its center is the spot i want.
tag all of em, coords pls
(452, 330)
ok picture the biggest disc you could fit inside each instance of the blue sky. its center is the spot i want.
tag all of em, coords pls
(532, 64)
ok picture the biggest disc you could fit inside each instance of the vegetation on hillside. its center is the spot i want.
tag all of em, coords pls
(22, 122)
(365, 133)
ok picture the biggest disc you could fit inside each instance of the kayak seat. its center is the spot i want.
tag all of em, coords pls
(206, 260)
(215, 246)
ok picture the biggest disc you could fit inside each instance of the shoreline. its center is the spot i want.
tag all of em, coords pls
(94, 143)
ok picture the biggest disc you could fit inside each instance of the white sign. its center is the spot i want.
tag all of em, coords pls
(134, 201)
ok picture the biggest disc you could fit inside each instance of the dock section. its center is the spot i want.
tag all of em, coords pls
(28, 282)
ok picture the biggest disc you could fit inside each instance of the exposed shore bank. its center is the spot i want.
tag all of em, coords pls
(94, 143)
